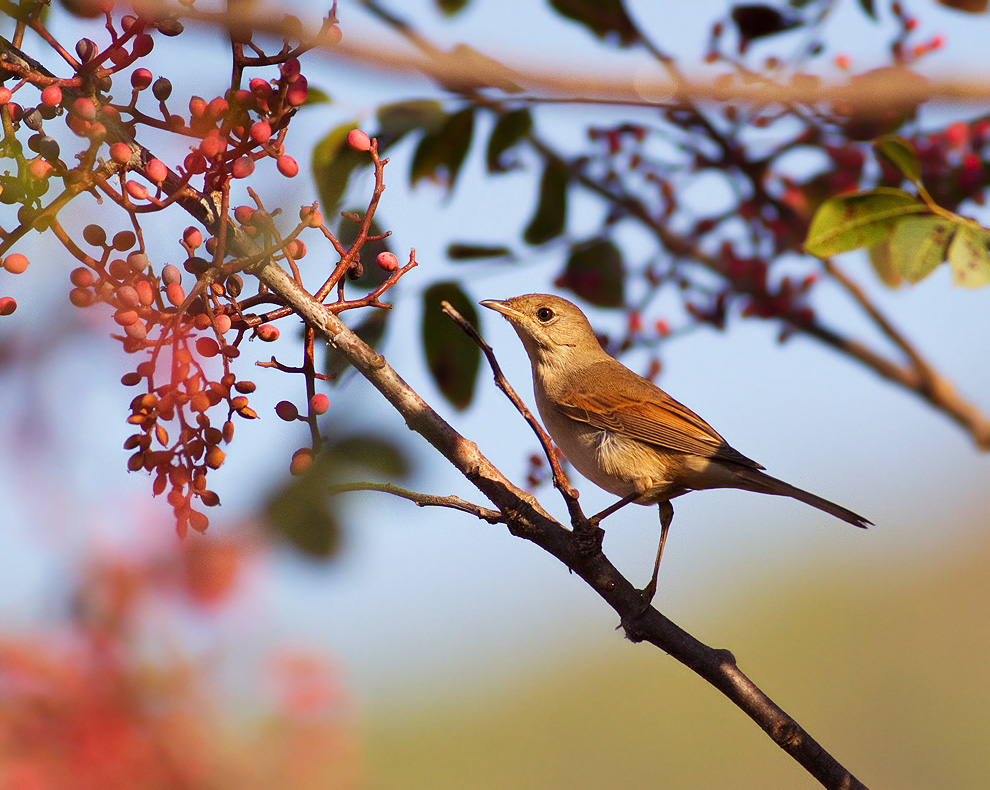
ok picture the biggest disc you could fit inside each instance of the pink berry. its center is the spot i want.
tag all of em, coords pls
(223, 323)
(358, 140)
(242, 167)
(267, 333)
(127, 296)
(40, 169)
(388, 261)
(5, 95)
(7, 305)
(244, 214)
(156, 171)
(197, 107)
(287, 166)
(84, 108)
(260, 88)
(212, 145)
(137, 190)
(311, 216)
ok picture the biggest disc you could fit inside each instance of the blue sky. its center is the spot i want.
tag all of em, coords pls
(421, 599)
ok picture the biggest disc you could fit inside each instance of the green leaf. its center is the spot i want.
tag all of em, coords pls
(396, 120)
(882, 265)
(595, 272)
(333, 164)
(918, 245)
(451, 7)
(607, 19)
(551, 211)
(440, 154)
(967, 256)
(452, 357)
(508, 131)
(471, 252)
(316, 96)
(901, 154)
(860, 219)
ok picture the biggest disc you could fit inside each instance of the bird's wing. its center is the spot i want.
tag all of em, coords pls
(651, 416)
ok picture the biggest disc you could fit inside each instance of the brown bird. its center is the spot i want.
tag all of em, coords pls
(623, 432)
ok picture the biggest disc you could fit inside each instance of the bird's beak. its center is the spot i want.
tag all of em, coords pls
(503, 308)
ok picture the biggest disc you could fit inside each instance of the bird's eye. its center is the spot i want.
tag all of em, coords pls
(544, 314)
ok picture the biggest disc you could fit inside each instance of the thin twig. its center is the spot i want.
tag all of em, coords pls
(560, 481)
(423, 500)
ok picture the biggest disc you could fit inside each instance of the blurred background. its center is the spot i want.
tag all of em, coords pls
(426, 649)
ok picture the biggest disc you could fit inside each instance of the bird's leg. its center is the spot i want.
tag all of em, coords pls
(666, 516)
(612, 508)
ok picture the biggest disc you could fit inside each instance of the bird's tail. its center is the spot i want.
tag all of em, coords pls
(755, 480)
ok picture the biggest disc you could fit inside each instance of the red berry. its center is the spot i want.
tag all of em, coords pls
(197, 106)
(287, 166)
(260, 88)
(125, 317)
(358, 140)
(195, 163)
(242, 167)
(40, 169)
(192, 237)
(311, 216)
(267, 333)
(319, 403)
(7, 305)
(82, 277)
(261, 131)
(141, 79)
(302, 460)
(207, 347)
(223, 323)
(296, 93)
(120, 153)
(143, 44)
(388, 261)
(84, 108)
(82, 297)
(212, 145)
(175, 295)
(52, 96)
(5, 95)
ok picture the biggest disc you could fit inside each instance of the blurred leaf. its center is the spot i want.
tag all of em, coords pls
(595, 273)
(371, 329)
(967, 256)
(303, 513)
(445, 148)
(759, 21)
(470, 70)
(395, 121)
(450, 7)
(551, 211)
(918, 245)
(901, 154)
(607, 19)
(299, 515)
(860, 219)
(470, 252)
(333, 164)
(969, 6)
(868, 8)
(507, 132)
(316, 96)
(452, 357)
(882, 265)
